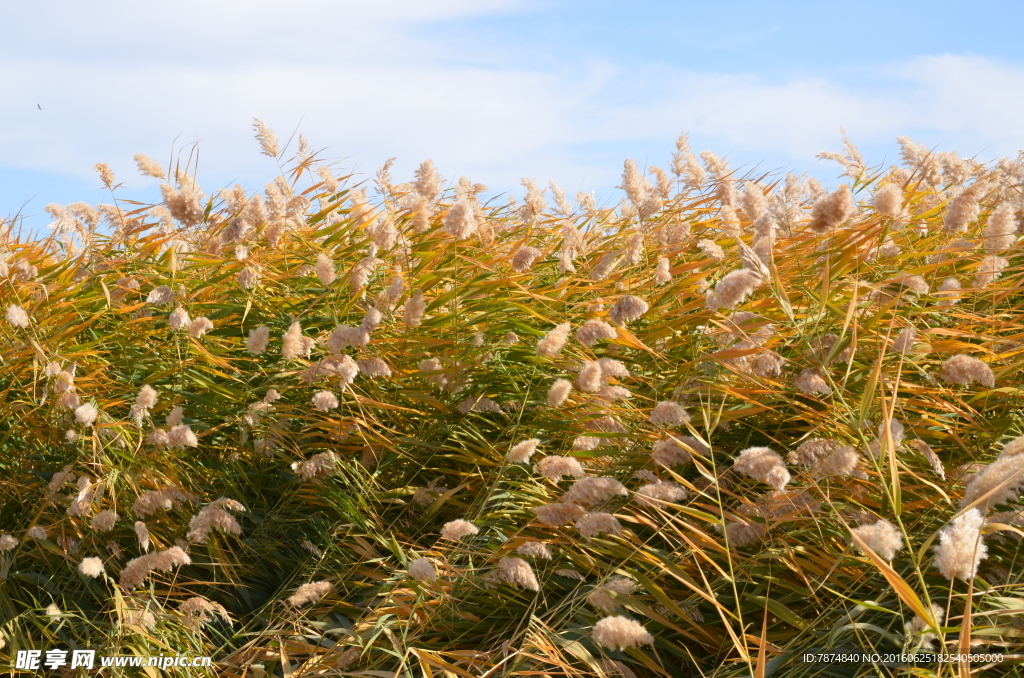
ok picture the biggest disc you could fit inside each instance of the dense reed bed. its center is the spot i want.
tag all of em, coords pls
(409, 429)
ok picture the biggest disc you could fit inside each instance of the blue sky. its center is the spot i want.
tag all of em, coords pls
(492, 89)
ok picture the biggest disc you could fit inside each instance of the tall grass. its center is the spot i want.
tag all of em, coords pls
(771, 312)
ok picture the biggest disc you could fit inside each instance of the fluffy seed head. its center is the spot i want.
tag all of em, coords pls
(763, 464)
(142, 534)
(732, 289)
(711, 249)
(258, 340)
(17, 316)
(149, 167)
(989, 270)
(811, 381)
(423, 570)
(325, 401)
(627, 309)
(612, 368)
(620, 633)
(265, 136)
(905, 340)
(590, 379)
(390, 296)
(346, 335)
(91, 567)
(518, 573)
(160, 295)
(434, 365)
(137, 569)
(182, 436)
(534, 549)
(249, 277)
(742, 534)
(831, 210)
(841, 462)
(69, 400)
(555, 467)
(558, 514)
(882, 537)
(200, 326)
(294, 344)
(662, 274)
(200, 610)
(214, 516)
(522, 451)
(1001, 230)
(812, 451)
(675, 450)
(1003, 478)
(361, 273)
(594, 331)
(371, 320)
(309, 593)
(964, 370)
(888, 201)
(668, 413)
(316, 467)
(929, 454)
(613, 393)
(590, 491)
(179, 319)
(86, 414)
(1012, 448)
(429, 181)
(372, 368)
(152, 501)
(325, 269)
(896, 431)
(963, 208)
(606, 424)
(585, 443)
(146, 398)
(478, 404)
(554, 341)
(524, 259)
(558, 392)
(948, 292)
(414, 308)
(961, 547)
(65, 382)
(457, 529)
(600, 599)
(919, 626)
(104, 521)
(461, 220)
(659, 491)
(592, 524)
(176, 416)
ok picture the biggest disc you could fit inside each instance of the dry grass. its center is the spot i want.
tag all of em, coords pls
(740, 576)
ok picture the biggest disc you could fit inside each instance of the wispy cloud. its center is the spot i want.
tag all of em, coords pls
(386, 79)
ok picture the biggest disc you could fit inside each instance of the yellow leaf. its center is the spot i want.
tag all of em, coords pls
(902, 588)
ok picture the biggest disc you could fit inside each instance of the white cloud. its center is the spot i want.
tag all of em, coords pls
(392, 78)
(968, 96)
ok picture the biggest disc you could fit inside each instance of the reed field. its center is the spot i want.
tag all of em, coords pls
(350, 426)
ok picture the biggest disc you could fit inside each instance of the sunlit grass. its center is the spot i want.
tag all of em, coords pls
(737, 578)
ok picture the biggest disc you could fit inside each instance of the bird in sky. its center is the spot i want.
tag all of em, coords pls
(39, 107)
